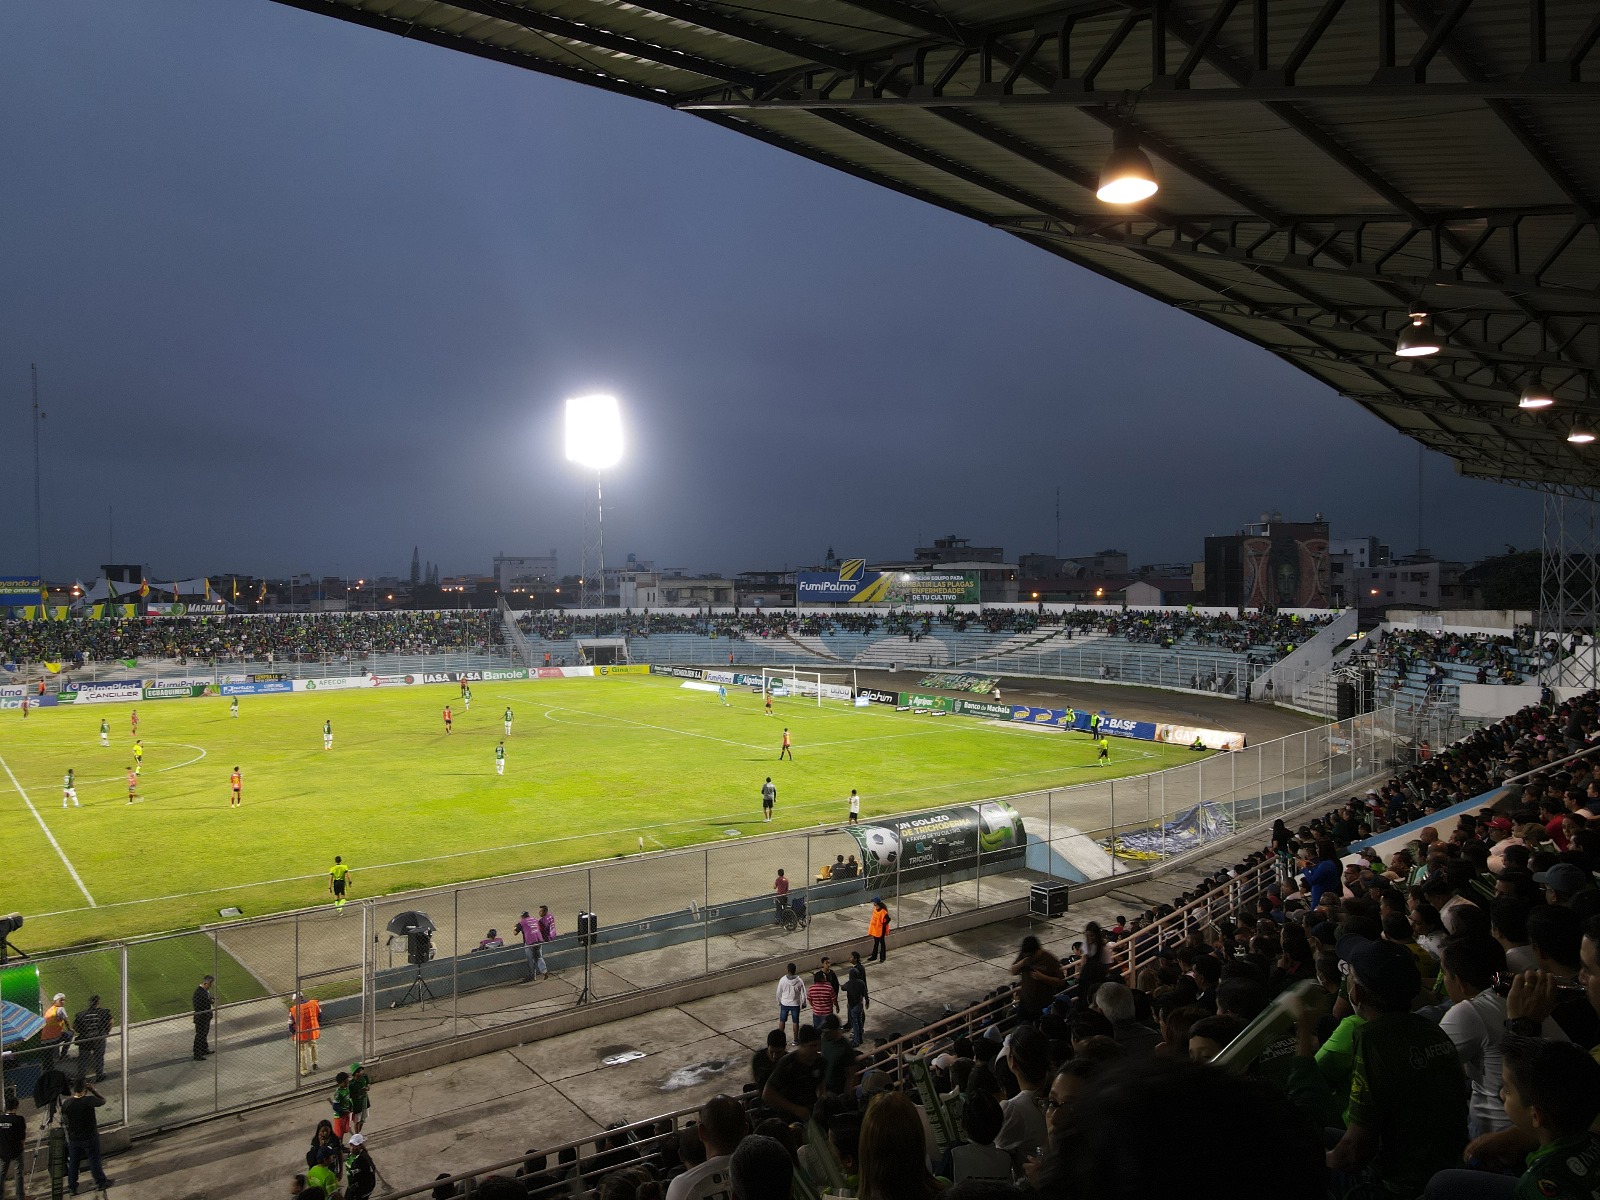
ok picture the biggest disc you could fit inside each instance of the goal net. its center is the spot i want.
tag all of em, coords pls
(800, 683)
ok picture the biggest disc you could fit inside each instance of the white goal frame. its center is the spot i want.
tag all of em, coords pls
(803, 683)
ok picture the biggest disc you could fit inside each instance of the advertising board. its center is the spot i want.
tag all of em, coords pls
(852, 583)
(330, 683)
(491, 675)
(109, 691)
(175, 689)
(261, 688)
(185, 608)
(879, 696)
(391, 680)
(623, 669)
(675, 672)
(911, 842)
(19, 590)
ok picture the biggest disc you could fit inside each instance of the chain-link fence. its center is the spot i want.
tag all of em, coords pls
(421, 968)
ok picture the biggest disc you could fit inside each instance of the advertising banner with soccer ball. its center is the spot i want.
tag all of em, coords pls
(951, 837)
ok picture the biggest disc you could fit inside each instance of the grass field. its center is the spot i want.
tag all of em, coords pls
(592, 765)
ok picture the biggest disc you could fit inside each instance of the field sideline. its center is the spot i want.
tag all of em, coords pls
(592, 765)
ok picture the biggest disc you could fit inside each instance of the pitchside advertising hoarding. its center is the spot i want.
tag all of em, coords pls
(11, 696)
(853, 583)
(1061, 718)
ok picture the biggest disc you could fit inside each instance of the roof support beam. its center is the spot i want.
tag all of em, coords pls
(845, 99)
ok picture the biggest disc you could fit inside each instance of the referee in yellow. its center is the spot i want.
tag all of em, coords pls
(338, 880)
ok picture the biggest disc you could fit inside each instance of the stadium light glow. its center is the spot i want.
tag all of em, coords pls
(1580, 435)
(1417, 339)
(1536, 395)
(594, 431)
(1127, 177)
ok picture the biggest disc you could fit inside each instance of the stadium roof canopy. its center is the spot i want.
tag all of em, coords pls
(1326, 166)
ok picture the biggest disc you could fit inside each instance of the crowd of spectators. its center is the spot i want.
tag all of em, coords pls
(1276, 632)
(1438, 1029)
(299, 637)
(1495, 658)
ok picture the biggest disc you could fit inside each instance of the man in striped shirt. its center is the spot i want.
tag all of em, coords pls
(822, 997)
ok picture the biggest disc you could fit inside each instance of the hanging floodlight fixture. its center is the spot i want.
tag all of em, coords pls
(1127, 177)
(1580, 435)
(1536, 395)
(1418, 339)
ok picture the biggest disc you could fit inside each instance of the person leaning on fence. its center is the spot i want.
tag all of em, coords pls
(204, 1006)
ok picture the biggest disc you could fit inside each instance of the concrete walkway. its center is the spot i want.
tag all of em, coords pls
(470, 1113)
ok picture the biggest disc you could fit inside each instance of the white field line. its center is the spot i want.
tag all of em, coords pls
(65, 861)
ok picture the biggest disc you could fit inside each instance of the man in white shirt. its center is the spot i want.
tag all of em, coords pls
(721, 1127)
(791, 998)
(1023, 1132)
(1508, 922)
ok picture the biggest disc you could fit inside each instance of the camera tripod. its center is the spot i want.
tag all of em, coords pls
(940, 908)
(418, 991)
(587, 996)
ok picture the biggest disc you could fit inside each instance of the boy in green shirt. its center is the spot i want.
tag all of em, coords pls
(1551, 1089)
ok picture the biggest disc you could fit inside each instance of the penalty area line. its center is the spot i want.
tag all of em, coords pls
(65, 861)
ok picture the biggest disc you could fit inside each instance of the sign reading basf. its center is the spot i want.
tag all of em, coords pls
(880, 697)
(109, 691)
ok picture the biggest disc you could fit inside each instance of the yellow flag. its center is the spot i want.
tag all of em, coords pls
(53, 668)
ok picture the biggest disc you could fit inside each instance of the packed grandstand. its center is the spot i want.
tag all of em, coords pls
(1403, 1067)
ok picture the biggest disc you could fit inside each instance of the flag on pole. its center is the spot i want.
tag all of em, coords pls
(144, 588)
(53, 668)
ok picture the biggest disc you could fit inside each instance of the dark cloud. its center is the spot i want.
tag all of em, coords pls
(303, 295)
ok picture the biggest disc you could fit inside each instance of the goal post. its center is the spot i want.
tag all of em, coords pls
(808, 684)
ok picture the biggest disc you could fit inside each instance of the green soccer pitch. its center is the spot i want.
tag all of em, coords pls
(592, 765)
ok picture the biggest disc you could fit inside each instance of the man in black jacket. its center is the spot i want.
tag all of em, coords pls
(83, 1134)
(203, 1005)
(92, 1027)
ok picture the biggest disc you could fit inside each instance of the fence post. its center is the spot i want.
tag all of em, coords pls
(810, 886)
(216, 1031)
(705, 907)
(368, 987)
(455, 961)
(1113, 827)
(122, 960)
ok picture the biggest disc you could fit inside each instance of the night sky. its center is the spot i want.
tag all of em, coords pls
(304, 295)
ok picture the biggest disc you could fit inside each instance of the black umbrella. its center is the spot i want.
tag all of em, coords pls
(409, 922)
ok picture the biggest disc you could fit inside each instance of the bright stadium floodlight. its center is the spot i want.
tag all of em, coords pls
(594, 440)
(1127, 177)
(594, 431)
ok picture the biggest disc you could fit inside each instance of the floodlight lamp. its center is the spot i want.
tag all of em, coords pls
(1536, 395)
(1580, 435)
(1417, 339)
(1127, 177)
(594, 431)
